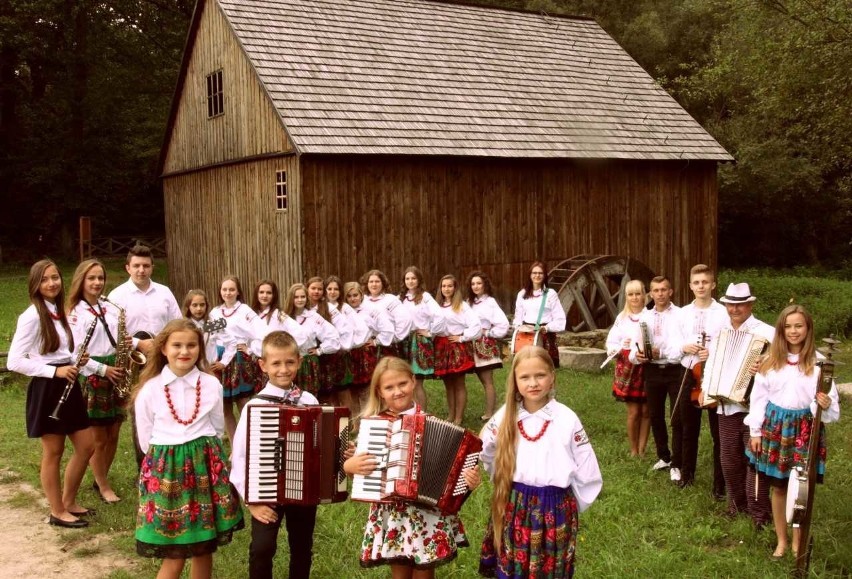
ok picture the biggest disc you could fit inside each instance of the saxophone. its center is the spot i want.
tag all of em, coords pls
(126, 358)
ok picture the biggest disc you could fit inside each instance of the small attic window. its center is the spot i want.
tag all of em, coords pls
(215, 96)
(281, 190)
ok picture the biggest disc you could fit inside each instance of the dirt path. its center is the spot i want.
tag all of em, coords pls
(30, 548)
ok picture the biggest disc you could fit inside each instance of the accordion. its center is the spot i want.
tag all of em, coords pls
(294, 454)
(421, 459)
(727, 373)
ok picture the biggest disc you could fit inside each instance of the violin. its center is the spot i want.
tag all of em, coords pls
(697, 371)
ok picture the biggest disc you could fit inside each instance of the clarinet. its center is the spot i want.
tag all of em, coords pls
(77, 363)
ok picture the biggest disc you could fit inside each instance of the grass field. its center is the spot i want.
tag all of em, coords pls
(641, 525)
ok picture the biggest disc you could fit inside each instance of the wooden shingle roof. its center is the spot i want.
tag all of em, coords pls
(422, 77)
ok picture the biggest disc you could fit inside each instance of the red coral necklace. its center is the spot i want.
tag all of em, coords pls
(177, 418)
(537, 436)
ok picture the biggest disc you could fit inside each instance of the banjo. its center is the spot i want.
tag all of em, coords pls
(802, 481)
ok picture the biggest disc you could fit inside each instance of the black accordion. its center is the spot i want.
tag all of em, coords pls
(294, 454)
(421, 459)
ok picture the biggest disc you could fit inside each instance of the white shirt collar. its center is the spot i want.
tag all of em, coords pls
(167, 376)
(545, 412)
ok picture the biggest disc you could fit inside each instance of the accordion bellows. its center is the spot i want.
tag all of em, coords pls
(421, 459)
(727, 374)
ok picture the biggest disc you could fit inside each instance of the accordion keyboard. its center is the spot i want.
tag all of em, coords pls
(372, 438)
(265, 456)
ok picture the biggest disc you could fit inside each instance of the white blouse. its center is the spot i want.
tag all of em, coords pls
(244, 326)
(526, 311)
(494, 322)
(788, 388)
(321, 334)
(379, 322)
(422, 315)
(80, 319)
(464, 323)
(625, 328)
(399, 316)
(24, 357)
(345, 331)
(154, 421)
(562, 457)
(360, 330)
(281, 322)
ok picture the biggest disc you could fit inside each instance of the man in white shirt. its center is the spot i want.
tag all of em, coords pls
(745, 494)
(662, 372)
(149, 306)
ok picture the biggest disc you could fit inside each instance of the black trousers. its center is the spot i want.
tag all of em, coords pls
(718, 474)
(662, 381)
(689, 419)
(300, 522)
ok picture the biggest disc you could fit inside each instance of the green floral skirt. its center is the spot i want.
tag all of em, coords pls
(103, 403)
(187, 506)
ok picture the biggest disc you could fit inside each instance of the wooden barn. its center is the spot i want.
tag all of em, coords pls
(311, 137)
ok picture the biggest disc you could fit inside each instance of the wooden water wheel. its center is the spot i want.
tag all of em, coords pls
(591, 288)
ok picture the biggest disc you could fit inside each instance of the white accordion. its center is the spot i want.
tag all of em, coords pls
(727, 373)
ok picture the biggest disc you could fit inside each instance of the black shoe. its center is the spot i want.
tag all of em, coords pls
(84, 513)
(685, 482)
(57, 522)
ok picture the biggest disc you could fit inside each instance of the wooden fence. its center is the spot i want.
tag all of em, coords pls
(119, 246)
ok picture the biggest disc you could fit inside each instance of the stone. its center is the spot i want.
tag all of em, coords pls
(583, 359)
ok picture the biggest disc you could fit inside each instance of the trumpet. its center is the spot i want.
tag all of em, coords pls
(126, 358)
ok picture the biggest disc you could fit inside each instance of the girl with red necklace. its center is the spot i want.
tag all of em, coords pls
(186, 507)
(628, 385)
(544, 473)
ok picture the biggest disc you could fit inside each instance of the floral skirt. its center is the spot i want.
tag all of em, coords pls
(240, 377)
(335, 371)
(785, 436)
(629, 383)
(452, 357)
(187, 506)
(402, 534)
(539, 535)
(363, 361)
(308, 378)
(420, 352)
(486, 353)
(103, 403)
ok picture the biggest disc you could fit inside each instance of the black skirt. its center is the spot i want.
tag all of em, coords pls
(42, 396)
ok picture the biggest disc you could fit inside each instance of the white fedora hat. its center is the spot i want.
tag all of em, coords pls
(737, 293)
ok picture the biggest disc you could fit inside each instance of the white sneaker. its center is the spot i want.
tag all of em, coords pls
(661, 465)
(675, 474)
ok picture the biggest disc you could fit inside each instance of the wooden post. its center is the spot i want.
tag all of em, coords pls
(85, 238)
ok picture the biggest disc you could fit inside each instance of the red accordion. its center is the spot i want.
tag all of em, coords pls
(421, 459)
(294, 454)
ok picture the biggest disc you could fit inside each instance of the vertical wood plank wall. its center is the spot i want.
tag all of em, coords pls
(250, 125)
(453, 215)
(223, 221)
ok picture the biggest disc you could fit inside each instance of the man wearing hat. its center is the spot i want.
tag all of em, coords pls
(745, 492)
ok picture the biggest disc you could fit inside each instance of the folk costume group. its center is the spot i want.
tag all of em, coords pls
(755, 448)
(358, 345)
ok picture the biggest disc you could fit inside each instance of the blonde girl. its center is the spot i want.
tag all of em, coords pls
(457, 327)
(544, 472)
(495, 326)
(100, 375)
(42, 348)
(186, 505)
(781, 414)
(412, 539)
(628, 385)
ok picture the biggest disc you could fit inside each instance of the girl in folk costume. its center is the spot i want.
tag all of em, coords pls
(322, 337)
(196, 307)
(417, 347)
(537, 305)
(377, 288)
(783, 404)
(334, 367)
(495, 326)
(544, 472)
(365, 357)
(455, 330)
(628, 385)
(241, 339)
(187, 507)
(413, 540)
(360, 333)
(41, 348)
(105, 404)
(266, 304)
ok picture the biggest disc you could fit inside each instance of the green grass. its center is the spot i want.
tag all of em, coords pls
(641, 526)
